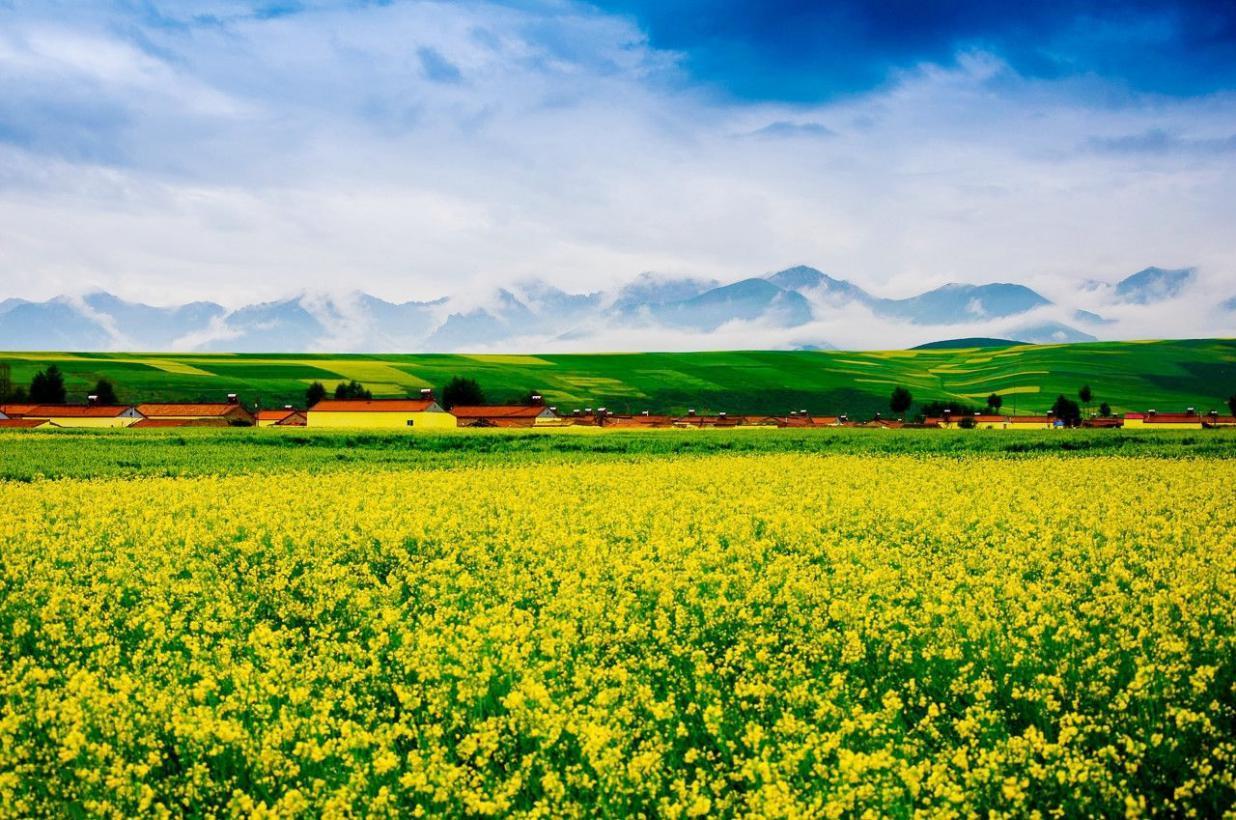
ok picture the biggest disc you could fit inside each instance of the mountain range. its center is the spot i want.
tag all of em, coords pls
(534, 315)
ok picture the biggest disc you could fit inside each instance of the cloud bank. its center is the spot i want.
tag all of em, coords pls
(226, 151)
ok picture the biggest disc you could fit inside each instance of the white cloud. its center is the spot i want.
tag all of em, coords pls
(239, 159)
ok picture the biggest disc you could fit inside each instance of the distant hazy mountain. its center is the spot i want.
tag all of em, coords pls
(1086, 317)
(1154, 285)
(649, 289)
(8, 304)
(971, 341)
(1048, 333)
(820, 285)
(957, 303)
(159, 327)
(57, 324)
(748, 300)
(1230, 304)
(532, 312)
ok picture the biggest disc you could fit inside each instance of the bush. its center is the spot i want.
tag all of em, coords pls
(352, 390)
(47, 387)
(463, 392)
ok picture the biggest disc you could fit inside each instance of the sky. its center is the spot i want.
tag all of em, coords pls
(233, 150)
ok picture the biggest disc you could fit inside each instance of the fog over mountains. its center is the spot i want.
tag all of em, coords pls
(799, 307)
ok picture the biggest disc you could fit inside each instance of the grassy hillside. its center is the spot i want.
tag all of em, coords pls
(1129, 375)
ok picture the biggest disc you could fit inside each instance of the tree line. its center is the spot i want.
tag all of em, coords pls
(47, 387)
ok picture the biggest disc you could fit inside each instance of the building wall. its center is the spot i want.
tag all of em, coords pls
(1132, 424)
(114, 421)
(1030, 425)
(385, 420)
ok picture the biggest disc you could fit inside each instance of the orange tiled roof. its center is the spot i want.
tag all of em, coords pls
(497, 411)
(373, 405)
(275, 415)
(14, 410)
(1033, 419)
(199, 409)
(22, 424)
(77, 411)
(1172, 418)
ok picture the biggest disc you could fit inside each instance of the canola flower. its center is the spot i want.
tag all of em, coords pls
(781, 635)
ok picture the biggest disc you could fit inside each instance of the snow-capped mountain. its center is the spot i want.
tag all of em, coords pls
(795, 308)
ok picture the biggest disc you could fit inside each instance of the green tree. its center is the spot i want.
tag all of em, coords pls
(900, 400)
(1231, 404)
(1066, 410)
(994, 402)
(315, 393)
(1105, 410)
(105, 392)
(462, 392)
(47, 386)
(352, 390)
(1085, 395)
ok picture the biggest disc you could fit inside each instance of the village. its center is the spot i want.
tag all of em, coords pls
(426, 413)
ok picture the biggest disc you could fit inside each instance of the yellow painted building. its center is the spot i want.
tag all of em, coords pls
(1162, 421)
(1030, 423)
(84, 415)
(420, 414)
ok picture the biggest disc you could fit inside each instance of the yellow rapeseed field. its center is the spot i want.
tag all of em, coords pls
(775, 634)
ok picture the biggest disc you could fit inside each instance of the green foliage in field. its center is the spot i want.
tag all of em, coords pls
(1127, 375)
(31, 454)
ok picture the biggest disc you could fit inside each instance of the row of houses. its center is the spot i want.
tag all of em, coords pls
(426, 413)
(1151, 419)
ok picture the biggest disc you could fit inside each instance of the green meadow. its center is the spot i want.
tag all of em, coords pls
(1127, 375)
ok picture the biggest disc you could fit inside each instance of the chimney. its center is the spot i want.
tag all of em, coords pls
(802, 412)
(231, 398)
(721, 415)
(553, 408)
(1192, 411)
(537, 400)
(1151, 412)
(288, 407)
(644, 413)
(575, 413)
(92, 400)
(691, 411)
(426, 394)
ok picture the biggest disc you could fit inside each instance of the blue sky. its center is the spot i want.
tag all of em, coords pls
(815, 51)
(233, 150)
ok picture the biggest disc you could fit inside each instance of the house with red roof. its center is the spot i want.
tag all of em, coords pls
(422, 413)
(231, 412)
(1154, 420)
(84, 415)
(288, 416)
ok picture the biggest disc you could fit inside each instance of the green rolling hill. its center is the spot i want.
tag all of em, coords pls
(1128, 375)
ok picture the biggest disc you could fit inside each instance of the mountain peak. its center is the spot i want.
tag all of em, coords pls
(1154, 284)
